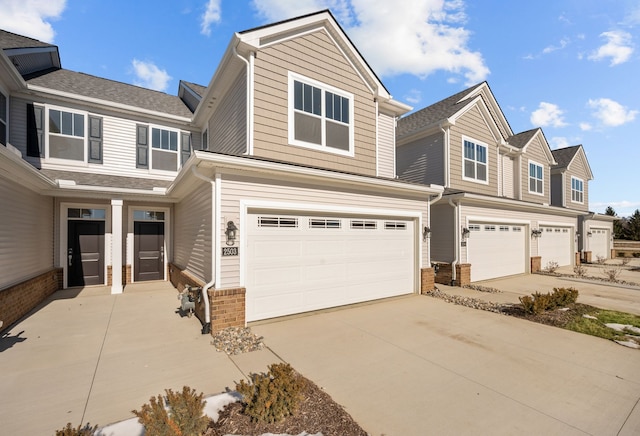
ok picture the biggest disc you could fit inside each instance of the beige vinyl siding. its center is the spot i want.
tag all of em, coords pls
(508, 178)
(314, 56)
(386, 146)
(192, 232)
(442, 233)
(578, 170)
(228, 125)
(237, 188)
(535, 152)
(26, 233)
(486, 95)
(472, 125)
(422, 161)
(503, 214)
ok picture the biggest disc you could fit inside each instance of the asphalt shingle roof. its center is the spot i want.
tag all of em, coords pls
(436, 112)
(10, 40)
(95, 179)
(198, 89)
(96, 87)
(521, 139)
(564, 156)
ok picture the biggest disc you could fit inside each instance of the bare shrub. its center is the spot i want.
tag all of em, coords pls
(612, 273)
(601, 259)
(552, 266)
(580, 270)
(625, 261)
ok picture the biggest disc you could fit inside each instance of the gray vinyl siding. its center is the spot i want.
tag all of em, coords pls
(193, 232)
(18, 124)
(577, 169)
(442, 233)
(228, 125)
(422, 160)
(535, 152)
(314, 56)
(237, 188)
(472, 125)
(26, 233)
(557, 190)
(386, 146)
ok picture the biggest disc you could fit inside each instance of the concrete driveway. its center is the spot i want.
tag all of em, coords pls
(407, 366)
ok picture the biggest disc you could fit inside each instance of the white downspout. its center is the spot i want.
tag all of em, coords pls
(445, 139)
(456, 238)
(431, 201)
(249, 102)
(214, 221)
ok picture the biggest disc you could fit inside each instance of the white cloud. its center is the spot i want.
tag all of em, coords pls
(31, 17)
(548, 114)
(559, 142)
(420, 37)
(414, 96)
(150, 76)
(618, 47)
(611, 113)
(585, 126)
(211, 16)
(562, 44)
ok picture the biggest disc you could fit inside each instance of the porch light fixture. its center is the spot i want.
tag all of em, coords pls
(589, 234)
(426, 232)
(536, 233)
(231, 233)
(465, 232)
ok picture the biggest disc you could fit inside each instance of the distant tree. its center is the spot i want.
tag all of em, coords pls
(633, 226)
(618, 225)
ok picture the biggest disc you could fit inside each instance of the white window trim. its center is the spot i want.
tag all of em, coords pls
(5, 121)
(152, 148)
(529, 177)
(581, 192)
(291, 111)
(482, 144)
(47, 133)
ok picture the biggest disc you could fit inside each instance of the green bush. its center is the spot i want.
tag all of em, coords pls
(273, 396)
(87, 430)
(183, 415)
(539, 303)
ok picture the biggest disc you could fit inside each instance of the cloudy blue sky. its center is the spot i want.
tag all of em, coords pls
(571, 67)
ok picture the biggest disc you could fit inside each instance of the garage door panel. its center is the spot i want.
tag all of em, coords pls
(555, 245)
(599, 243)
(496, 250)
(325, 267)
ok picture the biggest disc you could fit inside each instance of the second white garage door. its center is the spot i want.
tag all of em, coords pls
(297, 264)
(556, 245)
(599, 243)
(496, 250)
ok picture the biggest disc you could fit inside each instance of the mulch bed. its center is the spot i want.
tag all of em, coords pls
(556, 318)
(318, 413)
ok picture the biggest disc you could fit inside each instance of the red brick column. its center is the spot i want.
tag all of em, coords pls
(444, 274)
(427, 280)
(578, 260)
(587, 257)
(536, 264)
(463, 274)
(227, 308)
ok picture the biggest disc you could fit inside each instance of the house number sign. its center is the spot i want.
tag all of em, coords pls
(230, 251)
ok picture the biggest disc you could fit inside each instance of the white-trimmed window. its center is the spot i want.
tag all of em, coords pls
(320, 116)
(577, 190)
(66, 135)
(474, 161)
(536, 178)
(4, 103)
(159, 148)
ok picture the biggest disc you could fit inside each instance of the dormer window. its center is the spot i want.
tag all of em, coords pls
(320, 116)
(577, 190)
(536, 178)
(474, 161)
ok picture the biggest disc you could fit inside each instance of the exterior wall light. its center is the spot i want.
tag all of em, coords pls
(589, 234)
(231, 232)
(426, 233)
(465, 233)
(536, 233)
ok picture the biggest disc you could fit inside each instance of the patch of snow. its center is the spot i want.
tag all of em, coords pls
(630, 344)
(623, 327)
(589, 316)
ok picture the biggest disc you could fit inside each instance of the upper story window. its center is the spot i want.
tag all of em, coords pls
(165, 150)
(474, 161)
(164, 139)
(3, 119)
(320, 116)
(577, 190)
(536, 178)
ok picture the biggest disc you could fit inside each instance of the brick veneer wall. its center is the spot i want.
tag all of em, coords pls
(587, 256)
(126, 274)
(427, 280)
(227, 308)
(463, 274)
(536, 264)
(444, 274)
(17, 300)
(578, 260)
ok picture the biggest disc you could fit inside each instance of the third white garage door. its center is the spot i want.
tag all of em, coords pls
(555, 245)
(301, 263)
(599, 243)
(496, 250)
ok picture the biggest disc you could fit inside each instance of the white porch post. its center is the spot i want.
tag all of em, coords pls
(116, 247)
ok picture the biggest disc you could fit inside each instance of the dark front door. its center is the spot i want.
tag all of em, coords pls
(148, 251)
(85, 253)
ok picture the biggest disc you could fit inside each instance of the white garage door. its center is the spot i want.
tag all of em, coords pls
(297, 264)
(599, 244)
(555, 245)
(496, 250)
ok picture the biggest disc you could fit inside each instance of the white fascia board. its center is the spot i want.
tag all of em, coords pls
(10, 74)
(217, 161)
(395, 107)
(468, 198)
(494, 104)
(22, 172)
(109, 104)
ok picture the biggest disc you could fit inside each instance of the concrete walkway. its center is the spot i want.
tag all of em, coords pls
(407, 366)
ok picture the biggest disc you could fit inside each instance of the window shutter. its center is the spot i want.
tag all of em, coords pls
(142, 146)
(185, 147)
(95, 139)
(35, 125)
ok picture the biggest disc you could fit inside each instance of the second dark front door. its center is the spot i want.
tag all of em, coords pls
(148, 251)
